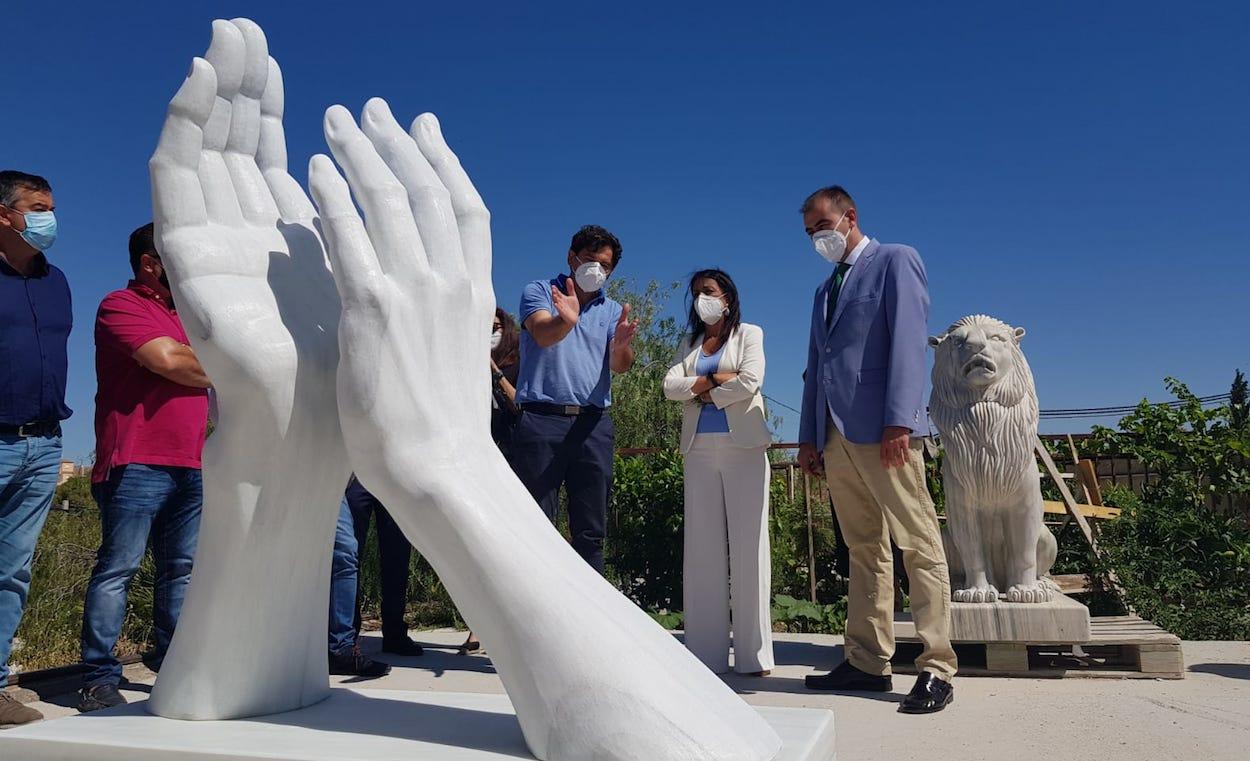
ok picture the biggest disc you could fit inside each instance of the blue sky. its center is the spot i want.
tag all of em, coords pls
(1080, 169)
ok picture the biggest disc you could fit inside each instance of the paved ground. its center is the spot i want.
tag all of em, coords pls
(1204, 716)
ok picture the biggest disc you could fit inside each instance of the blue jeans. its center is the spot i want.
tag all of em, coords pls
(139, 502)
(394, 553)
(29, 467)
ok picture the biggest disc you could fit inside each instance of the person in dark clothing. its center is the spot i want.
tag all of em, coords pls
(575, 337)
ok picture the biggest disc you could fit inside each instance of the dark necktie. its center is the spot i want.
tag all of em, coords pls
(839, 275)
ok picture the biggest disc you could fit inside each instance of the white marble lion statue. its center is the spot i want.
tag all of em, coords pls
(985, 408)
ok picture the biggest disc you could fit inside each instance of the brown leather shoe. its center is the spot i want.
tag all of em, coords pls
(13, 712)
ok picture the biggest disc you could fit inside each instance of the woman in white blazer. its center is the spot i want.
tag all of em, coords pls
(717, 376)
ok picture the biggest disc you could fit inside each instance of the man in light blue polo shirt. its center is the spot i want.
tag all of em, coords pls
(575, 337)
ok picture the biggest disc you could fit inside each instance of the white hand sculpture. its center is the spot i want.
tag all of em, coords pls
(249, 276)
(590, 675)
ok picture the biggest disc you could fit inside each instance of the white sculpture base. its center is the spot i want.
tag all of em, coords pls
(1061, 621)
(351, 725)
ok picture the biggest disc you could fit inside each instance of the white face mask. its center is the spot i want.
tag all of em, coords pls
(590, 276)
(709, 308)
(496, 338)
(831, 244)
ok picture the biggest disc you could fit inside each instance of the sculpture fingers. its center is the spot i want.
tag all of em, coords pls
(243, 135)
(291, 200)
(357, 273)
(429, 199)
(472, 216)
(384, 201)
(226, 53)
(177, 198)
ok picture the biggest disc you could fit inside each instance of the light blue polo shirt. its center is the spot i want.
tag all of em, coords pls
(576, 370)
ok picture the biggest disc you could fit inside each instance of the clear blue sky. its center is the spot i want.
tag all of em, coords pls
(1081, 169)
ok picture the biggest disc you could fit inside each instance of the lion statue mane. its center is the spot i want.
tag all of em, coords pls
(985, 407)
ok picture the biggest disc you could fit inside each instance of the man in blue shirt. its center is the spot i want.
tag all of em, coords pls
(575, 337)
(35, 320)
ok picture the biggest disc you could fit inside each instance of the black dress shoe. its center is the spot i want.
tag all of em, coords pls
(847, 678)
(402, 646)
(930, 695)
(354, 663)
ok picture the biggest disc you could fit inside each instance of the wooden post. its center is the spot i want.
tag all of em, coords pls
(811, 546)
(1070, 503)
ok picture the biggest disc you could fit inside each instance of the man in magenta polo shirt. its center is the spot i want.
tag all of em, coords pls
(150, 419)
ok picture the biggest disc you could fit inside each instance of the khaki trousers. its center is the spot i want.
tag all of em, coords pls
(727, 563)
(875, 503)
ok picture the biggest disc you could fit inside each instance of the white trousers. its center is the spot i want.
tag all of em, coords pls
(727, 562)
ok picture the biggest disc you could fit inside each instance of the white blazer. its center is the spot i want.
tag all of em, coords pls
(740, 398)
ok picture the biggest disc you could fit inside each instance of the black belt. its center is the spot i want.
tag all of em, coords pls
(568, 410)
(45, 428)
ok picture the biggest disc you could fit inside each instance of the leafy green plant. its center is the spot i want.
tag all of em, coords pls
(643, 548)
(669, 619)
(790, 614)
(1182, 562)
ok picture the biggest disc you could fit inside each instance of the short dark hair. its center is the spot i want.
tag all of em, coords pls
(142, 241)
(835, 193)
(12, 180)
(733, 314)
(596, 238)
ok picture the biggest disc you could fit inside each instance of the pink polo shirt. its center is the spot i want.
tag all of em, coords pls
(141, 417)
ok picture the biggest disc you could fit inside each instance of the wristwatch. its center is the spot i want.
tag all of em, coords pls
(496, 375)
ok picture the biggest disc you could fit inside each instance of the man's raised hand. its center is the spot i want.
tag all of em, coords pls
(625, 329)
(568, 308)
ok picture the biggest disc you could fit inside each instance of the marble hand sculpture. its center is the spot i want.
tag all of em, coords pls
(247, 269)
(590, 675)
(985, 408)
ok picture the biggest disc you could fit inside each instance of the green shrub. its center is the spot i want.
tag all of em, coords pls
(1182, 563)
(643, 548)
(803, 616)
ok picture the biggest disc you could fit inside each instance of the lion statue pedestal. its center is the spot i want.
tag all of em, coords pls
(998, 550)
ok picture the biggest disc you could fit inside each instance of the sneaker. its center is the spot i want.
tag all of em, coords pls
(13, 712)
(100, 696)
(354, 663)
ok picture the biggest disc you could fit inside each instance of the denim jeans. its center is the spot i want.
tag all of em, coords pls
(29, 467)
(139, 503)
(394, 553)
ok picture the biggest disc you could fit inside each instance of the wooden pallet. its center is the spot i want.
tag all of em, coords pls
(1120, 647)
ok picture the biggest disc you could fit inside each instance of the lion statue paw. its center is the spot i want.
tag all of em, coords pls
(976, 594)
(1042, 590)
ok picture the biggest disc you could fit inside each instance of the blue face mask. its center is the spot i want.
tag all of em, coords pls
(40, 230)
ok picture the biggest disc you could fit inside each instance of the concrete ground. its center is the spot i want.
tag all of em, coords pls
(1204, 716)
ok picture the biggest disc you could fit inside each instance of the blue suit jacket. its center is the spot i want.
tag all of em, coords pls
(867, 371)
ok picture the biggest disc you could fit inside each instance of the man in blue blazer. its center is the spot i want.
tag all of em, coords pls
(862, 413)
